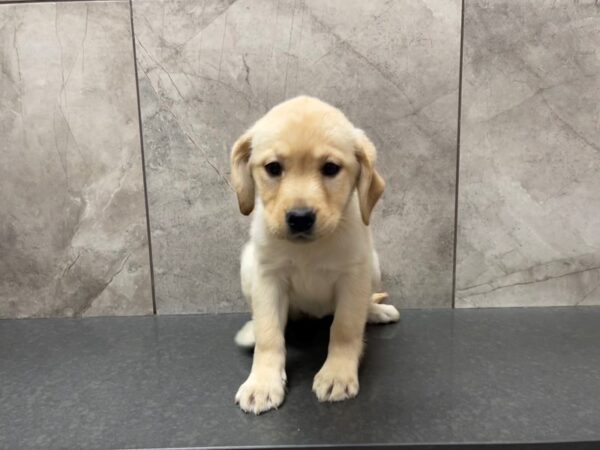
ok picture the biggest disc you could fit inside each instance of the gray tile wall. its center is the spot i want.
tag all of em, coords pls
(73, 237)
(73, 231)
(207, 72)
(529, 204)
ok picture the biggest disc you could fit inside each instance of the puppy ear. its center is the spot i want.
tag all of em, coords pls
(241, 176)
(369, 185)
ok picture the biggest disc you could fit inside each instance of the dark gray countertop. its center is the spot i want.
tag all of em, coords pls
(437, 377)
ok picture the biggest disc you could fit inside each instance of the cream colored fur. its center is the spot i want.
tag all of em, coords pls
(336, 273)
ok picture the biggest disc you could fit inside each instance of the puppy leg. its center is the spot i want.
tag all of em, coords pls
(245, 336)
(265, 387)
(379, 313)
(338, 378)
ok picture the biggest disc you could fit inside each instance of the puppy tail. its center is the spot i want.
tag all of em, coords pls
(379, 297)
(245, 337)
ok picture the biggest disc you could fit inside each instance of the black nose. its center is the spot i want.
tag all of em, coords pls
(300, 220)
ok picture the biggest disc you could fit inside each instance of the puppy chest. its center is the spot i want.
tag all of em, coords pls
(312, 291)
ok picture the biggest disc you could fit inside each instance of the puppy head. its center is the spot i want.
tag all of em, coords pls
(304, 160)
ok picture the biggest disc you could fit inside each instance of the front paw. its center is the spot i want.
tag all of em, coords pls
(335, 382)
(261, 392)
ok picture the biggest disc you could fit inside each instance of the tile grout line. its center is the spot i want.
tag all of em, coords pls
(139, 109)
(458, 129)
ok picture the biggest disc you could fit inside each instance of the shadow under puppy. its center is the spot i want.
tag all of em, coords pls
(308, 174)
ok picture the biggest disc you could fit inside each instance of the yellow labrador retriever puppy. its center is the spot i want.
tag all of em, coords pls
(308, 174)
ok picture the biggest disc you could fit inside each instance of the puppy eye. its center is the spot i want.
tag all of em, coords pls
(330, 169)
(274, 169)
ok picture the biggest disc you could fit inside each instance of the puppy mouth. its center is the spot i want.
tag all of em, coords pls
(301, 237)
